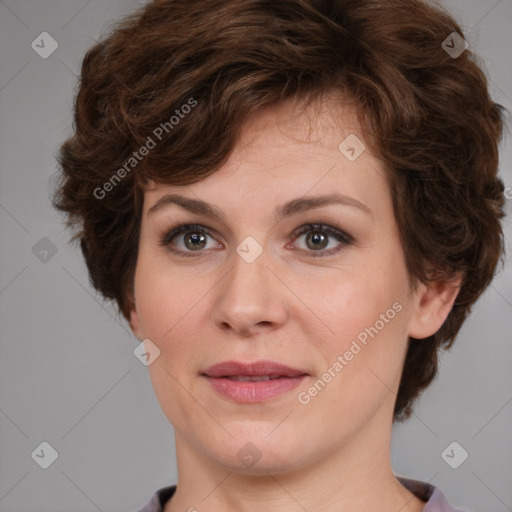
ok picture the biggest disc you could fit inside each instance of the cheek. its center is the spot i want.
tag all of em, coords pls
(167, 311)
(163, 296)
(172, 308)
(345, 303)
(365, 313)
(361, 363)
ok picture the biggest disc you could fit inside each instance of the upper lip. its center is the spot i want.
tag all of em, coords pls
(255, 368)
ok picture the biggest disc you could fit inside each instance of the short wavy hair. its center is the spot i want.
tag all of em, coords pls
(191, 74)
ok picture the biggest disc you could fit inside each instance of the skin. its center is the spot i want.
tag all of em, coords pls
(332, 453)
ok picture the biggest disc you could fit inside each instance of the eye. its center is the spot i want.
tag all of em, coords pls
(319, 236)
(194, 240)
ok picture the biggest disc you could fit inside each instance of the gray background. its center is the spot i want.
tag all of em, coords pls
(68, 375)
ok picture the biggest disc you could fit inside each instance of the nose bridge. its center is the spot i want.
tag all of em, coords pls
(249, 294)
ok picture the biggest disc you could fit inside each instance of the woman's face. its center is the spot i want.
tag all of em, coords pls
(255, 283)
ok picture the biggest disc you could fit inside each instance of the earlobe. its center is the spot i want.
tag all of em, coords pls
(134, 322)
(433, 304)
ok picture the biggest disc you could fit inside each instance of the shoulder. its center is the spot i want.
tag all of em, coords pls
(159, 499)
(435, 499)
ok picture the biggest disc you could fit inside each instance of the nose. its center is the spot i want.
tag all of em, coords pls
(250, 298)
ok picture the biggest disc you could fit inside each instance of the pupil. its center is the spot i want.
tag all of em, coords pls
(317, 237)
(194, 238)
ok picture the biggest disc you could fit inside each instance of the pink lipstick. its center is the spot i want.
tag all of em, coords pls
(253, 382)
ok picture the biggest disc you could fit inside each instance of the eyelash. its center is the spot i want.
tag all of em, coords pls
(339, 235)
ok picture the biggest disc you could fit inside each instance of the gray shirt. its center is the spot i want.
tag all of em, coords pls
(435, 500)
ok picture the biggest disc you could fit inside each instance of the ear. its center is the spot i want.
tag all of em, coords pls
(134, 320)
(433, 302)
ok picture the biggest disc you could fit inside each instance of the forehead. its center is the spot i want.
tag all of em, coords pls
(287, 151)
(294, 126)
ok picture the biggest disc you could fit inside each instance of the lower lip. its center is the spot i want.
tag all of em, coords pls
(252, 391)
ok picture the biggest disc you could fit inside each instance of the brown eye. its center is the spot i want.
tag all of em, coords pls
(195, 241)
(316, 240)
(319, 236)
(188, 238)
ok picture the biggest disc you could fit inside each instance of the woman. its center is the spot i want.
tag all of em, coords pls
(295, 205)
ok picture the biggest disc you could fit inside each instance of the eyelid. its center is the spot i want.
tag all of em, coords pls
(343, 238)
(326, 228)
(179, 228)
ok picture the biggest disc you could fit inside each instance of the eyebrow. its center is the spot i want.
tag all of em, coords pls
(293, 207)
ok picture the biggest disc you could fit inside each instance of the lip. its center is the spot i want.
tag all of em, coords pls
(254, 368)
(283, 379)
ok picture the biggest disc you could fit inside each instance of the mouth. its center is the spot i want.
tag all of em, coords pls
(253, 382)
(252, 378)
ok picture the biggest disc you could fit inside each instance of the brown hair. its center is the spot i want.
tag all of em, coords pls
(429, 115)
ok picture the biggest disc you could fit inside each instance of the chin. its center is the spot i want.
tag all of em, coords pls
(257, 453)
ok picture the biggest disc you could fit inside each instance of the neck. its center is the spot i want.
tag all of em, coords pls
(354, 476)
